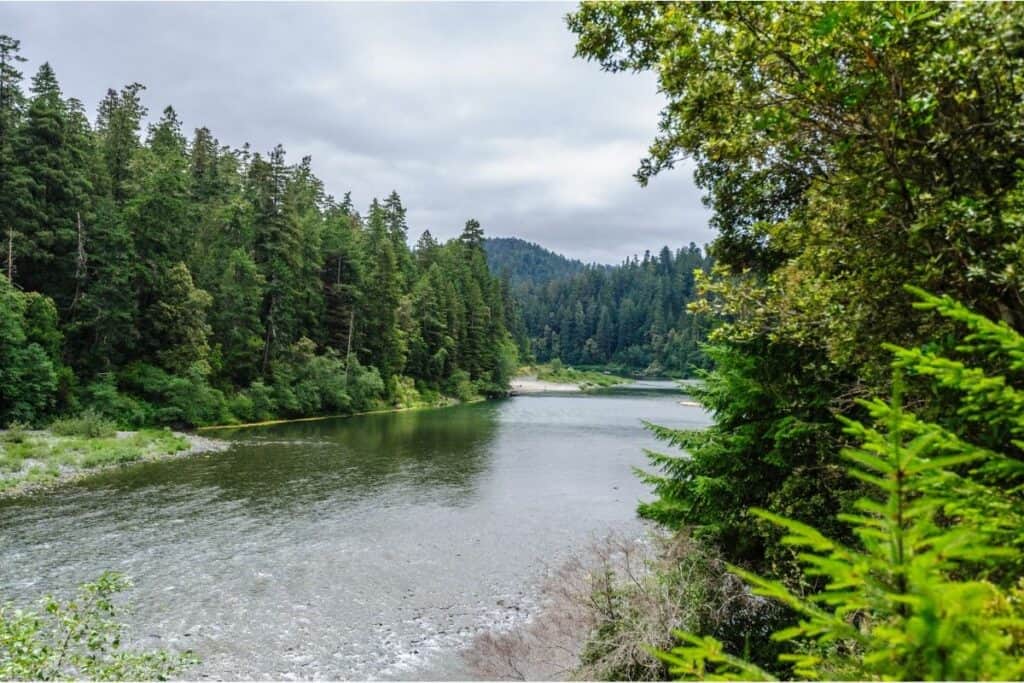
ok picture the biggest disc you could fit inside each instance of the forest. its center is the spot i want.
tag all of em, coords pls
(157, 278)
(632, 317)
(855, 510)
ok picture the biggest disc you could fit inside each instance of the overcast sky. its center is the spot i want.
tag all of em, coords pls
(468, 110)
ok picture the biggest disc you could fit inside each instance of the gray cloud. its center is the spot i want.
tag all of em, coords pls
(465, 109)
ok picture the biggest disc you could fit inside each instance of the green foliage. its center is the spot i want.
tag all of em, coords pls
(556, 371)
(632, 315)
(187, 283)
(930, 589)
(89, 424)
(461, 387)
(103, 397)
(308, 384)
(525, 262)
(176, 400)
(28, 373)
(771, 447)
(17, 432)
(79, 638)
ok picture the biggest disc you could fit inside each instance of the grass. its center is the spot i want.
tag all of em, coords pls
(585, 379)
(35, 457)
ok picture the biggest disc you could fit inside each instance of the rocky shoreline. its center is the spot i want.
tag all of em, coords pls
(68, 474)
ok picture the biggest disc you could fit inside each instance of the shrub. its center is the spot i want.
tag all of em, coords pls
(406, 394)
(185, 401)
(78, 639)
(103, 397)
(931, 589)
(241, 407)
(461, 387)
(637, 601)
(262, 398)
(365, 386)
(16, 432)
(88, 424)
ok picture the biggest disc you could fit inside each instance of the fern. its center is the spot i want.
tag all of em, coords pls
(917, 596)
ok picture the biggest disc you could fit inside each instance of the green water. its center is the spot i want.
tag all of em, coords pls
(372, 547)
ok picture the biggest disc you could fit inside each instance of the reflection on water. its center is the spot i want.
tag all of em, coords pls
(351, 548)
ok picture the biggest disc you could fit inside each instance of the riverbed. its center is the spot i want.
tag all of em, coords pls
(371, 547)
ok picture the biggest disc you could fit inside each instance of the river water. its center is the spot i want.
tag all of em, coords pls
(369, 547)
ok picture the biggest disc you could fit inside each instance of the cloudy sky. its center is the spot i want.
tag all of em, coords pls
(468, 110)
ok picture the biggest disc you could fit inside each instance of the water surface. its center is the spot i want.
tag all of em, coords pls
(370, 547)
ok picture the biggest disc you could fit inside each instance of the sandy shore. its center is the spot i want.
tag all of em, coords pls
(529, 384)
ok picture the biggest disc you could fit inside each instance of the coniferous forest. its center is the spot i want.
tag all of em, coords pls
(158, 277)
(632, 317)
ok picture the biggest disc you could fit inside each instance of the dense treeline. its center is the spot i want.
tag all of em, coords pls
(848, 150)
(633, 316)
(521, 262)
(172, 280)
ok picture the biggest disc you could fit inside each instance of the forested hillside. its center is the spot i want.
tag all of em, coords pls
(863, 162)
(632, 316)
(525, 262)
(159, 277)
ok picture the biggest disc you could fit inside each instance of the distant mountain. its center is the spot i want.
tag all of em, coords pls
(527, 263)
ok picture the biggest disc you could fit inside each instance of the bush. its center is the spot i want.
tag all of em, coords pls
(28, 373)
(365, 386)
(406, 394)
(461, 387)
(185, 401)
(16, 432)
(241, 407)
(931, 588)
(78, 639)
(637, 600)
(103, 397)
(262, 398)
(88, 424)
(309, 384)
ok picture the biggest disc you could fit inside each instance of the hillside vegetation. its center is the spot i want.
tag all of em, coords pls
(160, 277)
(632, 317)
(863, 474)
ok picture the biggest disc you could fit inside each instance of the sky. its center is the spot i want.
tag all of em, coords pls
(467, 110)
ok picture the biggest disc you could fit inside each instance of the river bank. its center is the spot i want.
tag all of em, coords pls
(35, 460)
(554, 377)
(376, 548)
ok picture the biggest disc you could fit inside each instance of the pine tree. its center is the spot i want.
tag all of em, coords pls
(178, 317)
(51, 191)
(398, 230)
(118, 122)
(380, 334)
(11, 105)
(472, 235)
(234, 317)
(343, 277)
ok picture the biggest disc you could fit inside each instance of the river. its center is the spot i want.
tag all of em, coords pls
(369, 547)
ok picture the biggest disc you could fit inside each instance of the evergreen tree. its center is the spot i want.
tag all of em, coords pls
(50, 191)
(118, 123)
(11, 105)
(380, 335)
